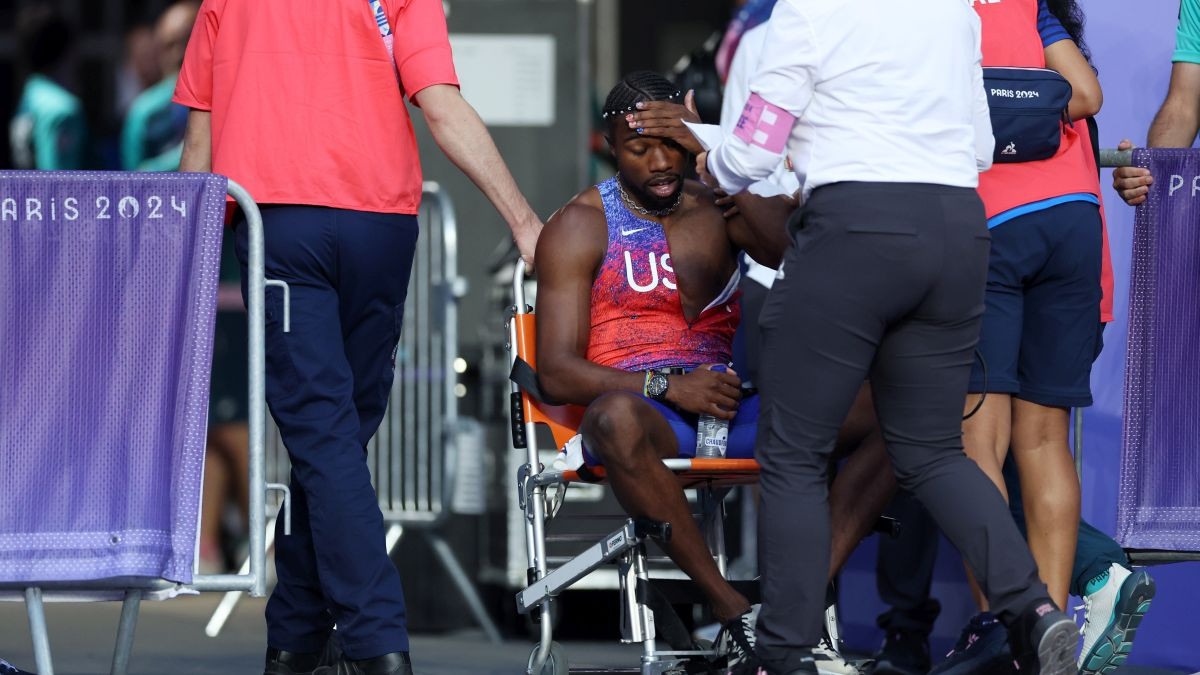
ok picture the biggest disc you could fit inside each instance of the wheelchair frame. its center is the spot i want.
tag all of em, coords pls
(625, 547)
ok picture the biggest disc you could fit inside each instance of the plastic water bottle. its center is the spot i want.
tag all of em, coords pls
(712, 433)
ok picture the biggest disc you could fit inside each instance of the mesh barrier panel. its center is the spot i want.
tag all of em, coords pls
(1159, 493)
(107, 298)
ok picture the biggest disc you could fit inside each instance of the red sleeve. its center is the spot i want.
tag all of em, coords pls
(194, 87)
(422, 46)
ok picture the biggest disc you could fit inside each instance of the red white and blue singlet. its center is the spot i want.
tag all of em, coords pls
(637, 319)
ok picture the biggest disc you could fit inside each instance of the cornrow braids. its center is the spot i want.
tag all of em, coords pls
(641, 85)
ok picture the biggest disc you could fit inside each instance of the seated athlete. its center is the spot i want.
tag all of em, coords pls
(637, 282)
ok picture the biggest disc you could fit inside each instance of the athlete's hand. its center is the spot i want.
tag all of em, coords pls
(665, 119)
(704, 391)
(1131, 182)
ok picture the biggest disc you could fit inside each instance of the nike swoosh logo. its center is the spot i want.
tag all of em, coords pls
(626, 233)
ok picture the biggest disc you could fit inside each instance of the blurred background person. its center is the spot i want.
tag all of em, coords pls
(152, 137)
(140, 65)
(49, 130)
(226, 467)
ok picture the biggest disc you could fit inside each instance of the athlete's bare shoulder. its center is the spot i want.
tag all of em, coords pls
(577, 229)
(584, 209)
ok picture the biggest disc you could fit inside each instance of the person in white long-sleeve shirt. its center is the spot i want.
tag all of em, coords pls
(880, 108)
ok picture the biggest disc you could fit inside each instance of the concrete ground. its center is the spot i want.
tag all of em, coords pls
(171, 639)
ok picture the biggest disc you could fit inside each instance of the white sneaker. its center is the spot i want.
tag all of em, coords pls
(736, 640)
(1113, 609)
(830, 662)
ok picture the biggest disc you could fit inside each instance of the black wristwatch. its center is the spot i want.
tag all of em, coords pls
(656, 386)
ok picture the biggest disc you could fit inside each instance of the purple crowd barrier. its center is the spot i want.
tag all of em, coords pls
(107, 298)
(1159, 493)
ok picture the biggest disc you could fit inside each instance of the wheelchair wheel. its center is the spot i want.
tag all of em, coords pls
(556, 662)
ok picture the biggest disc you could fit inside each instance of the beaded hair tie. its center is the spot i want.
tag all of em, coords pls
(609, 113)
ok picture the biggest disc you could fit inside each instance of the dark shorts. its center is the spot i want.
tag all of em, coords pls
(741, 431)
(1041, 328)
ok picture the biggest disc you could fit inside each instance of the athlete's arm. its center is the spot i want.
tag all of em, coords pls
(759, 227)
(570, 248)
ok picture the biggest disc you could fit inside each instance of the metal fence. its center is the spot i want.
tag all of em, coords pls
(413, 455)
(253, 576)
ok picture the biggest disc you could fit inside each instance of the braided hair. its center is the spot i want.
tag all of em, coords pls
(641, 85)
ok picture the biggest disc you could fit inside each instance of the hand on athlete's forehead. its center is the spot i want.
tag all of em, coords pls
(665, 119)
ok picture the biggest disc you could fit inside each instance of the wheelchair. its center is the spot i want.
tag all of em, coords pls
(646, 615)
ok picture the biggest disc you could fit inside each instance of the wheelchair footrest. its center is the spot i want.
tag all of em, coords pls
(606, 550)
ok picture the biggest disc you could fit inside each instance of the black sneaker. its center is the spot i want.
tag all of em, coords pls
(982, 649)
(1043, 640)
(396, 663)
(903, 653)
(735, 642)
(7, 668)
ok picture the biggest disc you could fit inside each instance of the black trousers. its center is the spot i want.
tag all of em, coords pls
(885, 281)
(904, 570)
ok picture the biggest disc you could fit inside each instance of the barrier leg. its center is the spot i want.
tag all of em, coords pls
(392, 537)
(37, 630)
(224, 610)
(465, 587)
(125, 631)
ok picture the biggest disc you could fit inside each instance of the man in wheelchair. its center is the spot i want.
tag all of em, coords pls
(637, 302)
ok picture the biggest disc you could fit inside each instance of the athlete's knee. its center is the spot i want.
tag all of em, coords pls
(611, 426)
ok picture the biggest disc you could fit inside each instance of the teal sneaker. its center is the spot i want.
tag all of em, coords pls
(1114, 604)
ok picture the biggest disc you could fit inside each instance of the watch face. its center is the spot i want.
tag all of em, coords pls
(657, 386)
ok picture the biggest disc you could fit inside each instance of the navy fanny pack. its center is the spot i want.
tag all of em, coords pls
(1028, 108)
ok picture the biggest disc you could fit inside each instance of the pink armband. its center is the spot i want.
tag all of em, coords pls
(764, 124)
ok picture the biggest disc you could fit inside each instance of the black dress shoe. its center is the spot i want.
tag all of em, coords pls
(396, 663)
(280, 662)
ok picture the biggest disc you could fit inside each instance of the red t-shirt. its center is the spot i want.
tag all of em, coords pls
(305, 104)
(1011, 38)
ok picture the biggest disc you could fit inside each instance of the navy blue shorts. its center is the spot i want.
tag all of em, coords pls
(1041, 328)
(742, 430)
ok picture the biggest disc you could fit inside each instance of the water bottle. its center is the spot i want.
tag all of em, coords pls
(712, 433)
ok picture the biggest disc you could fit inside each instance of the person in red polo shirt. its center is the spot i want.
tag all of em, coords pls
(303, 103)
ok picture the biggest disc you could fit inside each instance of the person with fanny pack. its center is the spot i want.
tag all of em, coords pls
(1040, 328)
(303, 104)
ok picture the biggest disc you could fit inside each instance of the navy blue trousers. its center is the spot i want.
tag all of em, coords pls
(327, 388)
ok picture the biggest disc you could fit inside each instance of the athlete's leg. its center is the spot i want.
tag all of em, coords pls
(631, 438)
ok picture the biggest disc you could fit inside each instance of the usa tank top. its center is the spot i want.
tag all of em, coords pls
(637, 319)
